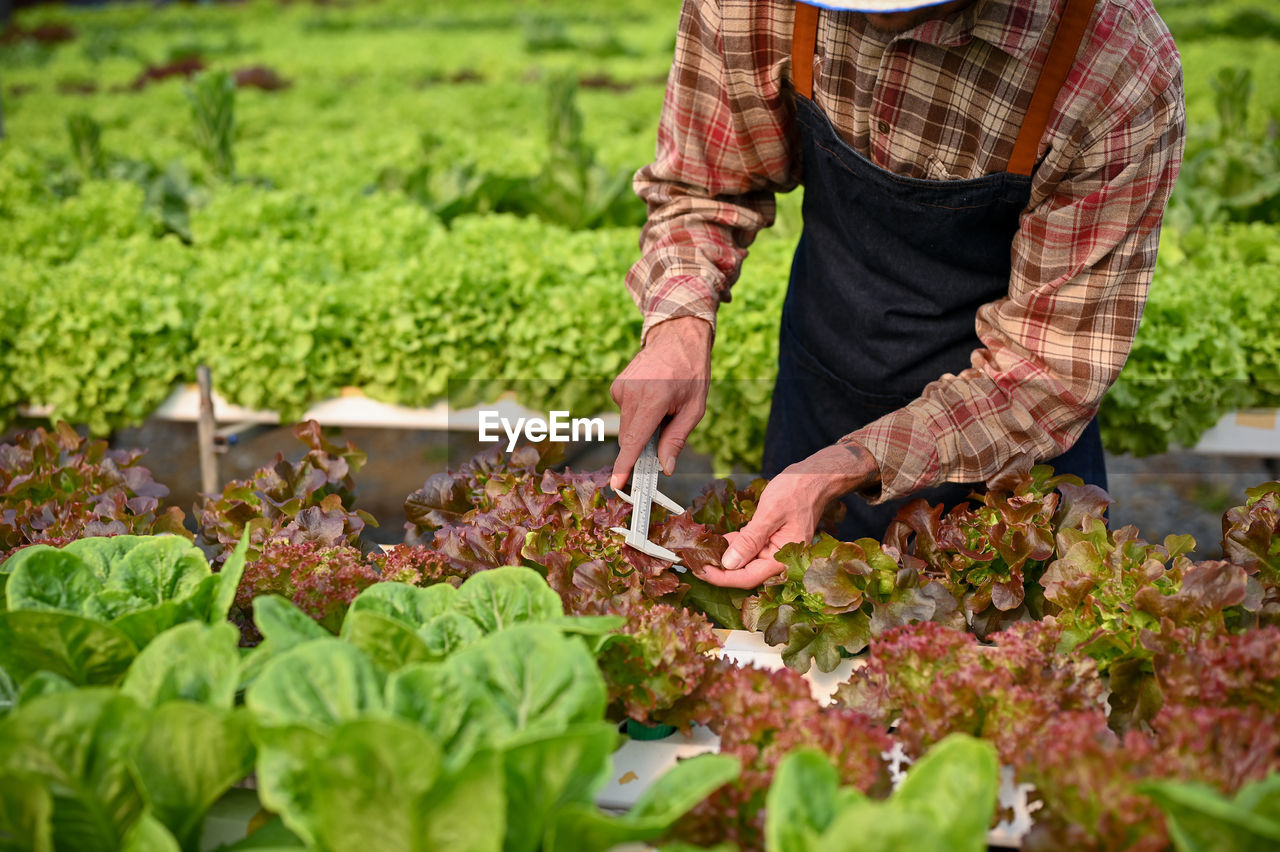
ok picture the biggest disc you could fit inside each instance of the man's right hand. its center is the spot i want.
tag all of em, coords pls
(669, 377)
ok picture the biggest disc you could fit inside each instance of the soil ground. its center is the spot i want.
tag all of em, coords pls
(1170, 493)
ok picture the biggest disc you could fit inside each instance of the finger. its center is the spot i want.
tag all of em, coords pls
(748, 576)
(673, 438)
(617, 388)
(632, 436)
(750, 540)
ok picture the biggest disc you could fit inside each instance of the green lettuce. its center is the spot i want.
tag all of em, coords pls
(84, 611)
(1200, 818)
(836, 595)
(946, 801)
(397, 624)
(499, 744)
(130, 768)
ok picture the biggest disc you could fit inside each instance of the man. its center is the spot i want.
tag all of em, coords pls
(984, 185)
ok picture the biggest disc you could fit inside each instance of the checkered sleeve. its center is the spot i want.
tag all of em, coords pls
(724, 148)
(1082, 261)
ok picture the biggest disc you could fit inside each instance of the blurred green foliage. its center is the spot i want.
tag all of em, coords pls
(339, 232)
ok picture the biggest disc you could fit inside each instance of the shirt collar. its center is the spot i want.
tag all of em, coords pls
(1014, 26)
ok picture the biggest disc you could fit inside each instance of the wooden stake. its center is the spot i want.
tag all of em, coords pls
(205, 428)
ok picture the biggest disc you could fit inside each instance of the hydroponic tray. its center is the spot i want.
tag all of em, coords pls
(352, 409)
(1253, 432)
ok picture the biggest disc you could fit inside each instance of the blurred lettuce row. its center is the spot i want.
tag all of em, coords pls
(329, 235)
(1207, 344)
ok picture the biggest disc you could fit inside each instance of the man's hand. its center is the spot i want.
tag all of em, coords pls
(789, 510)
(669, 377)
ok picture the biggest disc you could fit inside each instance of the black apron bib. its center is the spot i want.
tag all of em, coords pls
(885, 286)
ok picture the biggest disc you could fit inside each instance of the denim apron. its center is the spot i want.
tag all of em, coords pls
(886, 282)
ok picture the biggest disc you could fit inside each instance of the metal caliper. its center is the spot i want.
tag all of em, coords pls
(644, 493)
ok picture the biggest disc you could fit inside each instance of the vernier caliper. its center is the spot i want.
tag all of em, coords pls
(644, 493)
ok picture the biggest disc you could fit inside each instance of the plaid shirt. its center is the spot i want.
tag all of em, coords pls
(942, 101)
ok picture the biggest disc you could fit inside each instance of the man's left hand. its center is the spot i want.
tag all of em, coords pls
(789, 510)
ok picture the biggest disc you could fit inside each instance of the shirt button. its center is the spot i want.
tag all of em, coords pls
(883, 126)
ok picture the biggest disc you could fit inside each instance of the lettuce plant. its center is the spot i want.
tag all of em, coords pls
(310, 501)
(1206, 345)
(1200, 817)
(501, 743)
(655, 662)
(417, 566)
(1218, 670)
(835, 596)
(1251, 539)
(991, 553)
(512, 510)
(322, 580)
(131, 768)
(1091, 780)
(761, 717)
(398, 624)
(1109, 587)
(83, 612)
(57, 486)
(934, 681)
(945, 801)
(724, 507)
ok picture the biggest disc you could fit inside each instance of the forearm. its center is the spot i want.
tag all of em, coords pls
(724, 148)
(692, 248)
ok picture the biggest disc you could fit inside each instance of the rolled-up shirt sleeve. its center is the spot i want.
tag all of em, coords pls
(725, 143)
(1082, 262)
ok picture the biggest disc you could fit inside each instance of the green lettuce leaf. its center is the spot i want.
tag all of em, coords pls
(389, 643)
(229, 581)
(407, 604)
(100, 553)
(283, 624)
(79, 746)
(583, 827)
(158, 569)
(802, 801)
(366, 783)
(954, 785)
(1201, 819)
(189, 756)
(318, 684)
(148, 834)
(507, 595)
(946, 801)
(84, 651)
(548, 771)
(436, 698)
(43, 682)
(26, 814)
(192, 662)
(284, 774)
(466, 809)
(530, 680)
(448, 632)
(46, 578)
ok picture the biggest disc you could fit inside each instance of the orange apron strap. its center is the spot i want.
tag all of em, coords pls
(803, 39)
(1053, 74)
